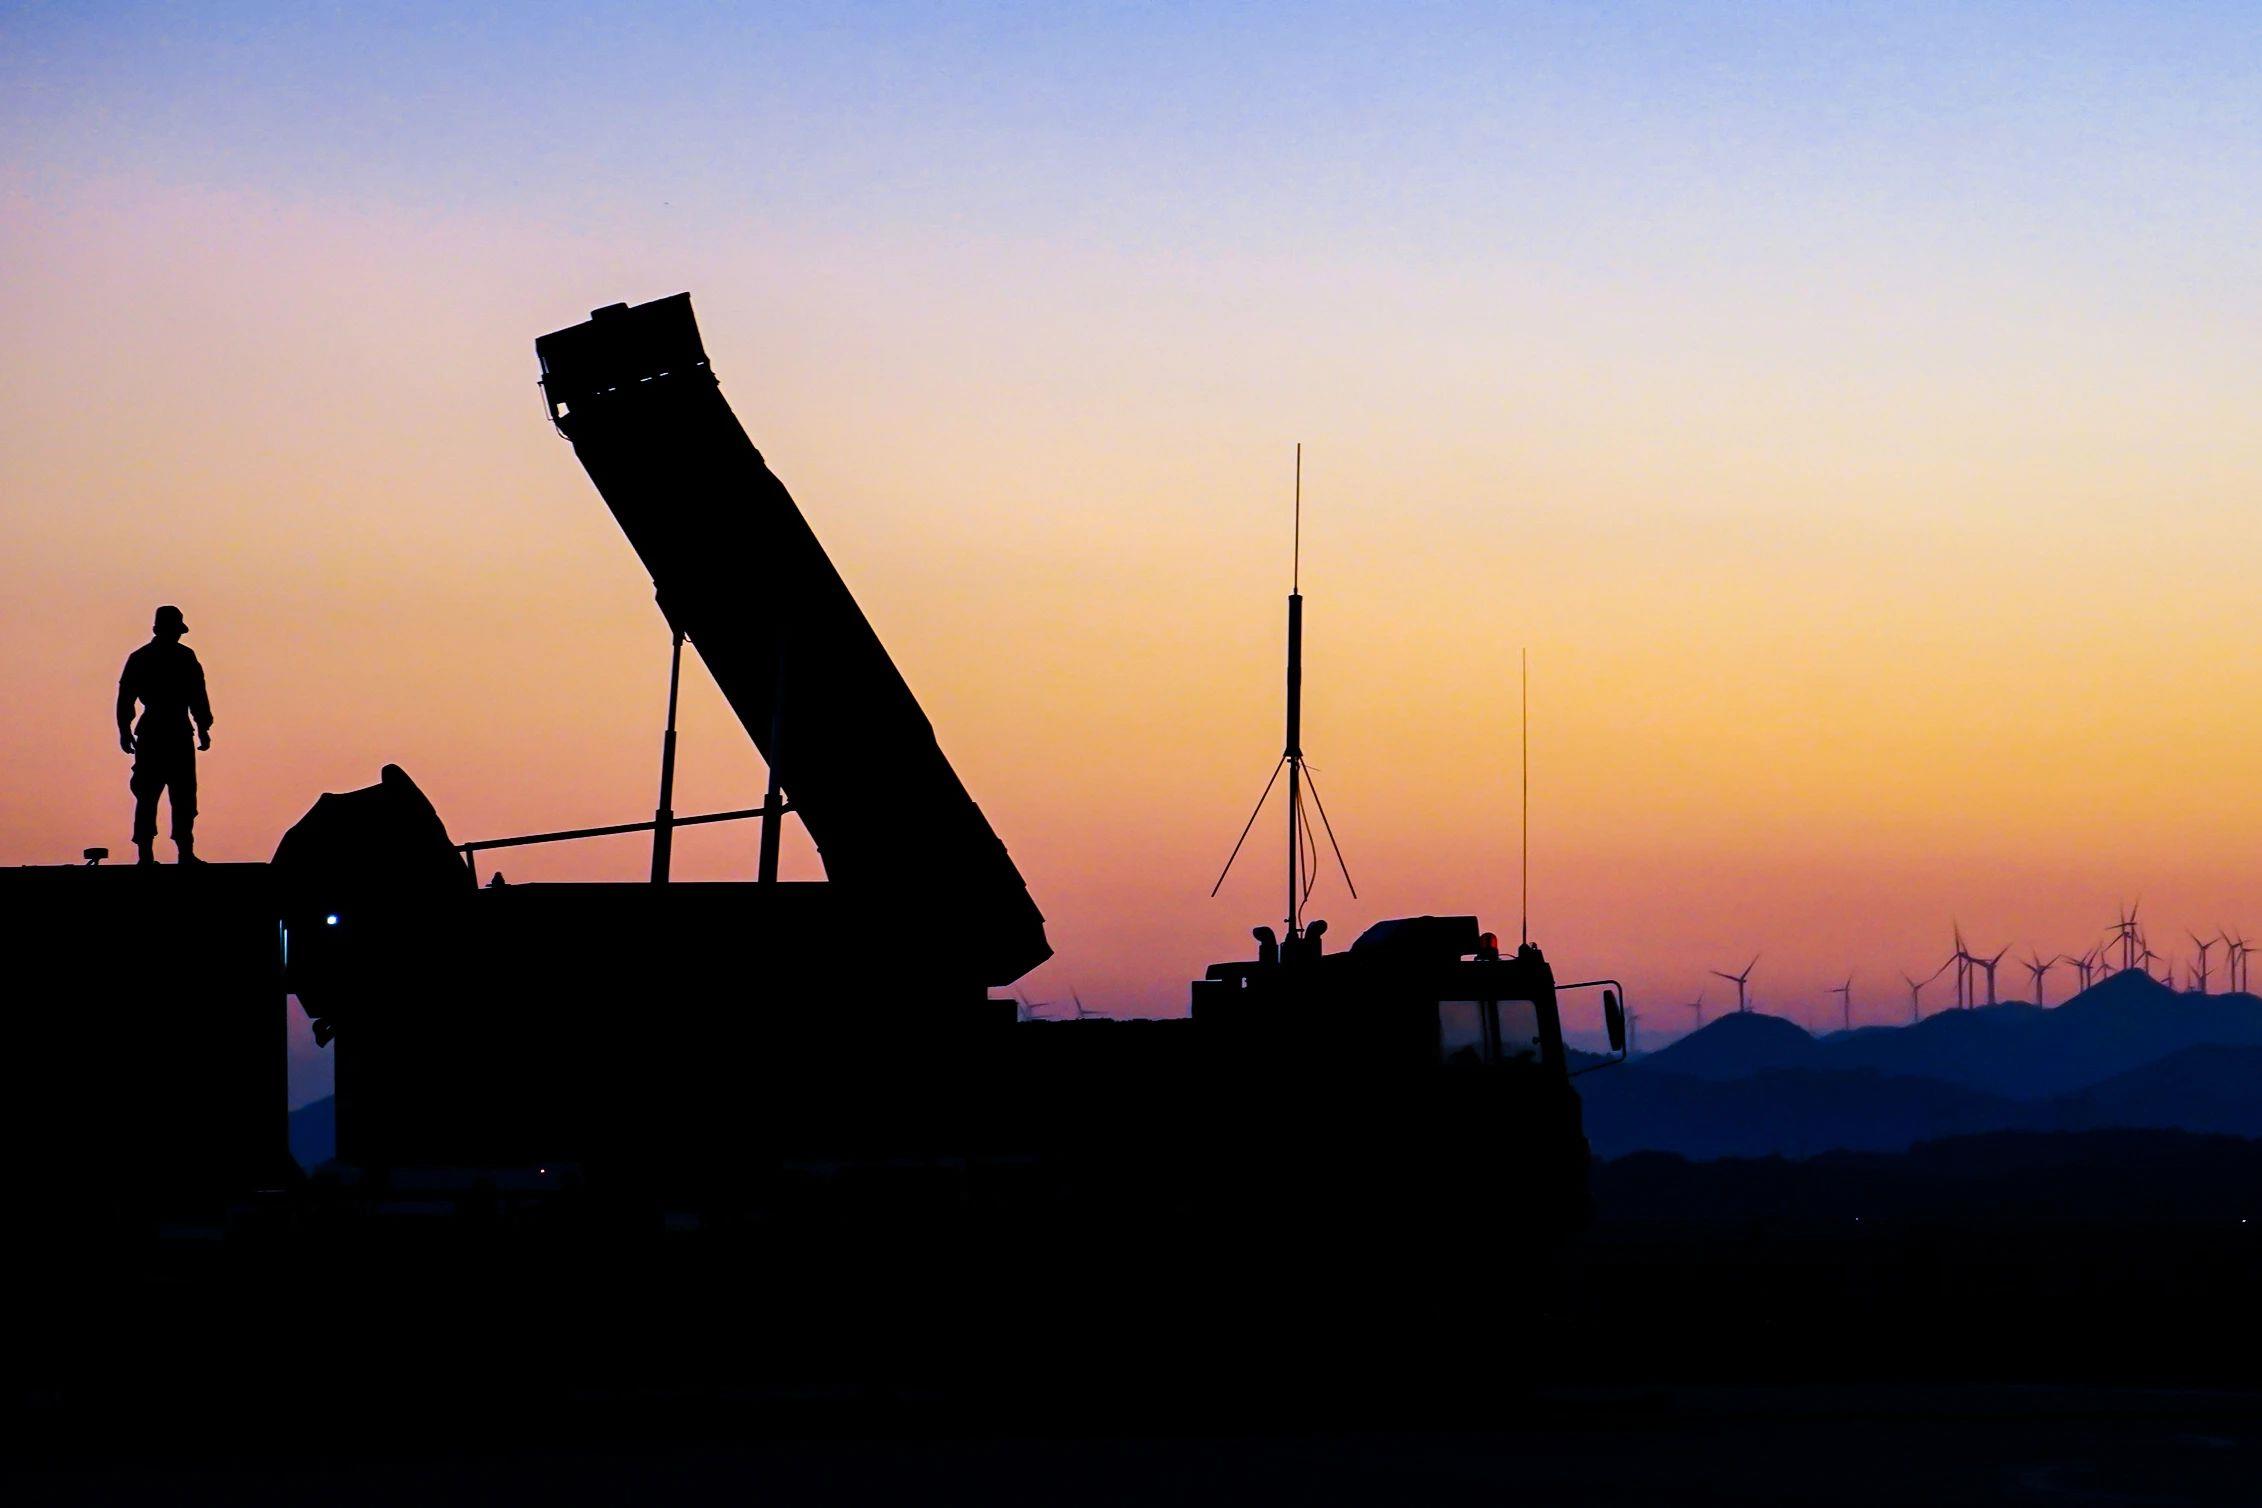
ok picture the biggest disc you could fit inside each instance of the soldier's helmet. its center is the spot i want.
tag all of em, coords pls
(169, 620)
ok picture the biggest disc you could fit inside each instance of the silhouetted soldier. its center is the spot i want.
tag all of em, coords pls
(164, 676)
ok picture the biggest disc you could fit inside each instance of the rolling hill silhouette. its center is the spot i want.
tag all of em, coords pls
(1990, 1048)
(1737, 1046)
(2116, 1025)
(2129, 1052)
(2014, 1049)
(2212, 1089)
(1787, 1112)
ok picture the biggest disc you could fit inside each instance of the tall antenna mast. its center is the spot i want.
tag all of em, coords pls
(1300, 873)
(1294, 747)
(1524, 822)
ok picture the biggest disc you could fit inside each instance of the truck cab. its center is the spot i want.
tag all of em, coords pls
(1436, 989)
(1422, 1061)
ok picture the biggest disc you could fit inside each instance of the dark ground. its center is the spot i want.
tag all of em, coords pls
(2045, 1320)
(1680, 1444)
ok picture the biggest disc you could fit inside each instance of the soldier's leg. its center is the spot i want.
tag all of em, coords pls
(148, 780)
(182, 779)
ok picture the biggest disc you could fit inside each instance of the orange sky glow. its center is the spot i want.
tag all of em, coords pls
(1884, 558)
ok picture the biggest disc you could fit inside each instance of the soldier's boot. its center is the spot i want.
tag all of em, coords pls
(187, 846)
(148, 850)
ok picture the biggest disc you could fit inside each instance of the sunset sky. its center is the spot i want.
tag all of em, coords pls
(1852, 408)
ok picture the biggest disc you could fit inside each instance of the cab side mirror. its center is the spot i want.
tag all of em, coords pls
(1614, 1020)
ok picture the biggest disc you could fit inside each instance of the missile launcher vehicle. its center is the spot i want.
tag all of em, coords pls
(799, 1047)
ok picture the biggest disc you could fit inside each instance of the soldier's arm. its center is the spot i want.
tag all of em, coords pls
(126, 707)
(200, 704)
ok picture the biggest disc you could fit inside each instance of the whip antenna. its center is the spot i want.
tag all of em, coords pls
(1300, 873)
(1524, 722)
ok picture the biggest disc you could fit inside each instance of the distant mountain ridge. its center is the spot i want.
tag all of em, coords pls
(1785, 1112)
(1736, 1046)
(2210, 1089)
(2119, 1024)
(2128, 1052)
(2013, 1049)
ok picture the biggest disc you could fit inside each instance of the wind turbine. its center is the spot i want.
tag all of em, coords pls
(1845, 994)
(2086, 964)
(1988, 964)
(1916, 993)
(1739, 980)
(2235, 951)
(1961, 958)
(2035, 966)
(2124, 932)
(2203, 945)
(1695, 1006)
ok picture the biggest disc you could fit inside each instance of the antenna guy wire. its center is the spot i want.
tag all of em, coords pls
(1257, 812)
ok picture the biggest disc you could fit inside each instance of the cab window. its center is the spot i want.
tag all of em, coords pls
(1519, 1031)
(1487, 1031)
(1460, 1031)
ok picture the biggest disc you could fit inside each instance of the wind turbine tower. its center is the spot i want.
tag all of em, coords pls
(1739, 981)
(1963, 961)
(2203, 944)
(1845, 994)
(1916, 993)
(2124, 932)
(2035, 965)
(1988, 964)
